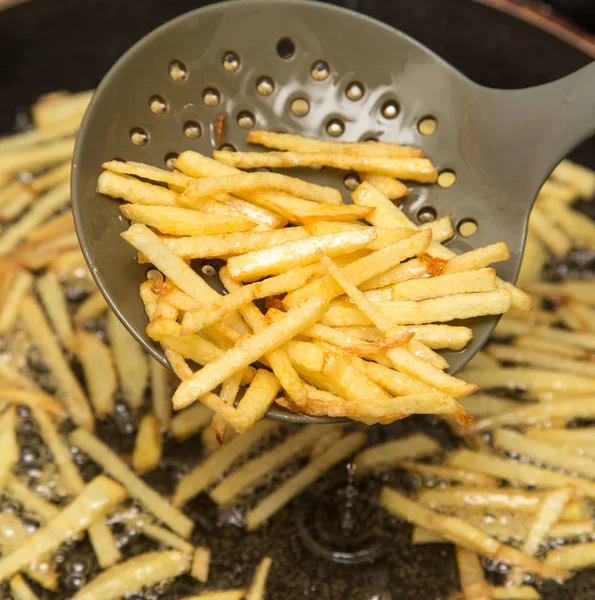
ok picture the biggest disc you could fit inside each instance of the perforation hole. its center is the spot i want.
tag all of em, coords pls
(390, 109)
(170, 159)
(426, 214)
(211, 97)
(192, 130)
(227, 148)
(139, 137)
(300, 107)
(467, 227)
(335, 127)
(246, 120)
(354, 91)
(446, 178)
(178, 71)
(265, 86)
(427, 125)
(231, 62)
(285, 48)
(351, 180)
(154, 275)
(209, 271)
(320, 70)
(158, 105)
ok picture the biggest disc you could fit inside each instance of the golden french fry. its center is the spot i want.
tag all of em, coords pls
(24, 159)
(99, 495)
(70, 391)
(20, 588)
(136, 487)
(55, 227)
(217, 463)
(33, 399)
(147, 446)
(576, 557)
(462, 533)
(392, 188)
(532, 342)
(21, 200)
(56, 109)
(54, 301)
(200, 564)
(277, 259)
(575, 176)
(581, 291)
(134, 191)
(299, 143)
(262, 181)
(33, 502)
(555, 239)
(575, 436)
(575, 224)
(415, 169)
(267, 507)
(10, 452)
(100, 376)
(143, 523)
(20, 285)
(487, 405)
(257, 588)
(471, 576)
(172, 220)
(447, 474)
(190, 421)
(381, 455)
(173, 178)
(134, 575)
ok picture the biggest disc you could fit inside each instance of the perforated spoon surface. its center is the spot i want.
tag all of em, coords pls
(327, 72)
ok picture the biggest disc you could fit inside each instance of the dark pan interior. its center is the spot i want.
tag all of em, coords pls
(67, 44)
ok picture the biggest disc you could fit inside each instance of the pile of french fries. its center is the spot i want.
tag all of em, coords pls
(517, 491)
(358, 297)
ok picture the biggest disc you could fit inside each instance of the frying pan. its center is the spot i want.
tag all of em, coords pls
(48, 45)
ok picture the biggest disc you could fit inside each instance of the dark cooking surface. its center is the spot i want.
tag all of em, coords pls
(67, 44)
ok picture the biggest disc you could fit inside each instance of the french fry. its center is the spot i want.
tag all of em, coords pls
(581, 291)
(462, 533)
(99, 495)
(147, 446)
(497, 499)
(256, 469)
(415, 169)
(41, 508)
(68, 264)
(471, 576)
(172, 220)
(480, 280)
(130, 362)
(103, 543)
(200, 564)
(16, 205)
(532, 414)
(574, 558)
(142, 522)
(514, 471)
(325, 441)
(556, 240)
(272, 503)
(13, 535)
(575, 176)
(136, 487)
(134, 575)
(20, 285)
(556, 190)
(90, 309)
(174, 178)
(8, 440)
(11, 377)
(190, 421)
(41, 255)
(576, 225)
(277, 259)
(51, 178)
(56, 109)
(381, 455)
(247, 350)
(575, 436)
(531, 379)
(98, 366)
(134, 191)
(531, 342)
(20, 588)
(263, 181)
(392, 188)
(202, 476)
(580, 340)
(257, 588)
(447, 474)
(299, 143)
(482, 360)
(70, 391)
(511, 441)
(227, 395)
(24, 159)
(54, 302)
(55, 227)
(487, 405)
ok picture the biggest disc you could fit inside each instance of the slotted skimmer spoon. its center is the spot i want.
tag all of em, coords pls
(318, 70)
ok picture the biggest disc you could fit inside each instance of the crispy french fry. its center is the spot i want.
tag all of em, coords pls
(415, 169)
(202, 476)
(134, 574)
(70, 391)
(228, 395)
(247, 350)
(190, 421)
(147, 446)
(174, 178)
(555, 239)
(447, 474)
(20, 588)
(277, 259)
(92, 308)
(54, 302)
(381, 455)
(41, 255)
(200, 564)
(257, 588)
(20, 285)
(44, 155)
(513, 470)
(259, 181)
(134, 191)
(575, 176)
(265, 509)
(130, 361)
(99, 495)
(488, 405)
(143, 523)
(100, 375)
(299, 143)
(579, 556)
(392, 188)
(462, 533)
(471, 575)
(41, 508)
(136, 487)
(253, 471)
(56, 109)
(575, 224)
